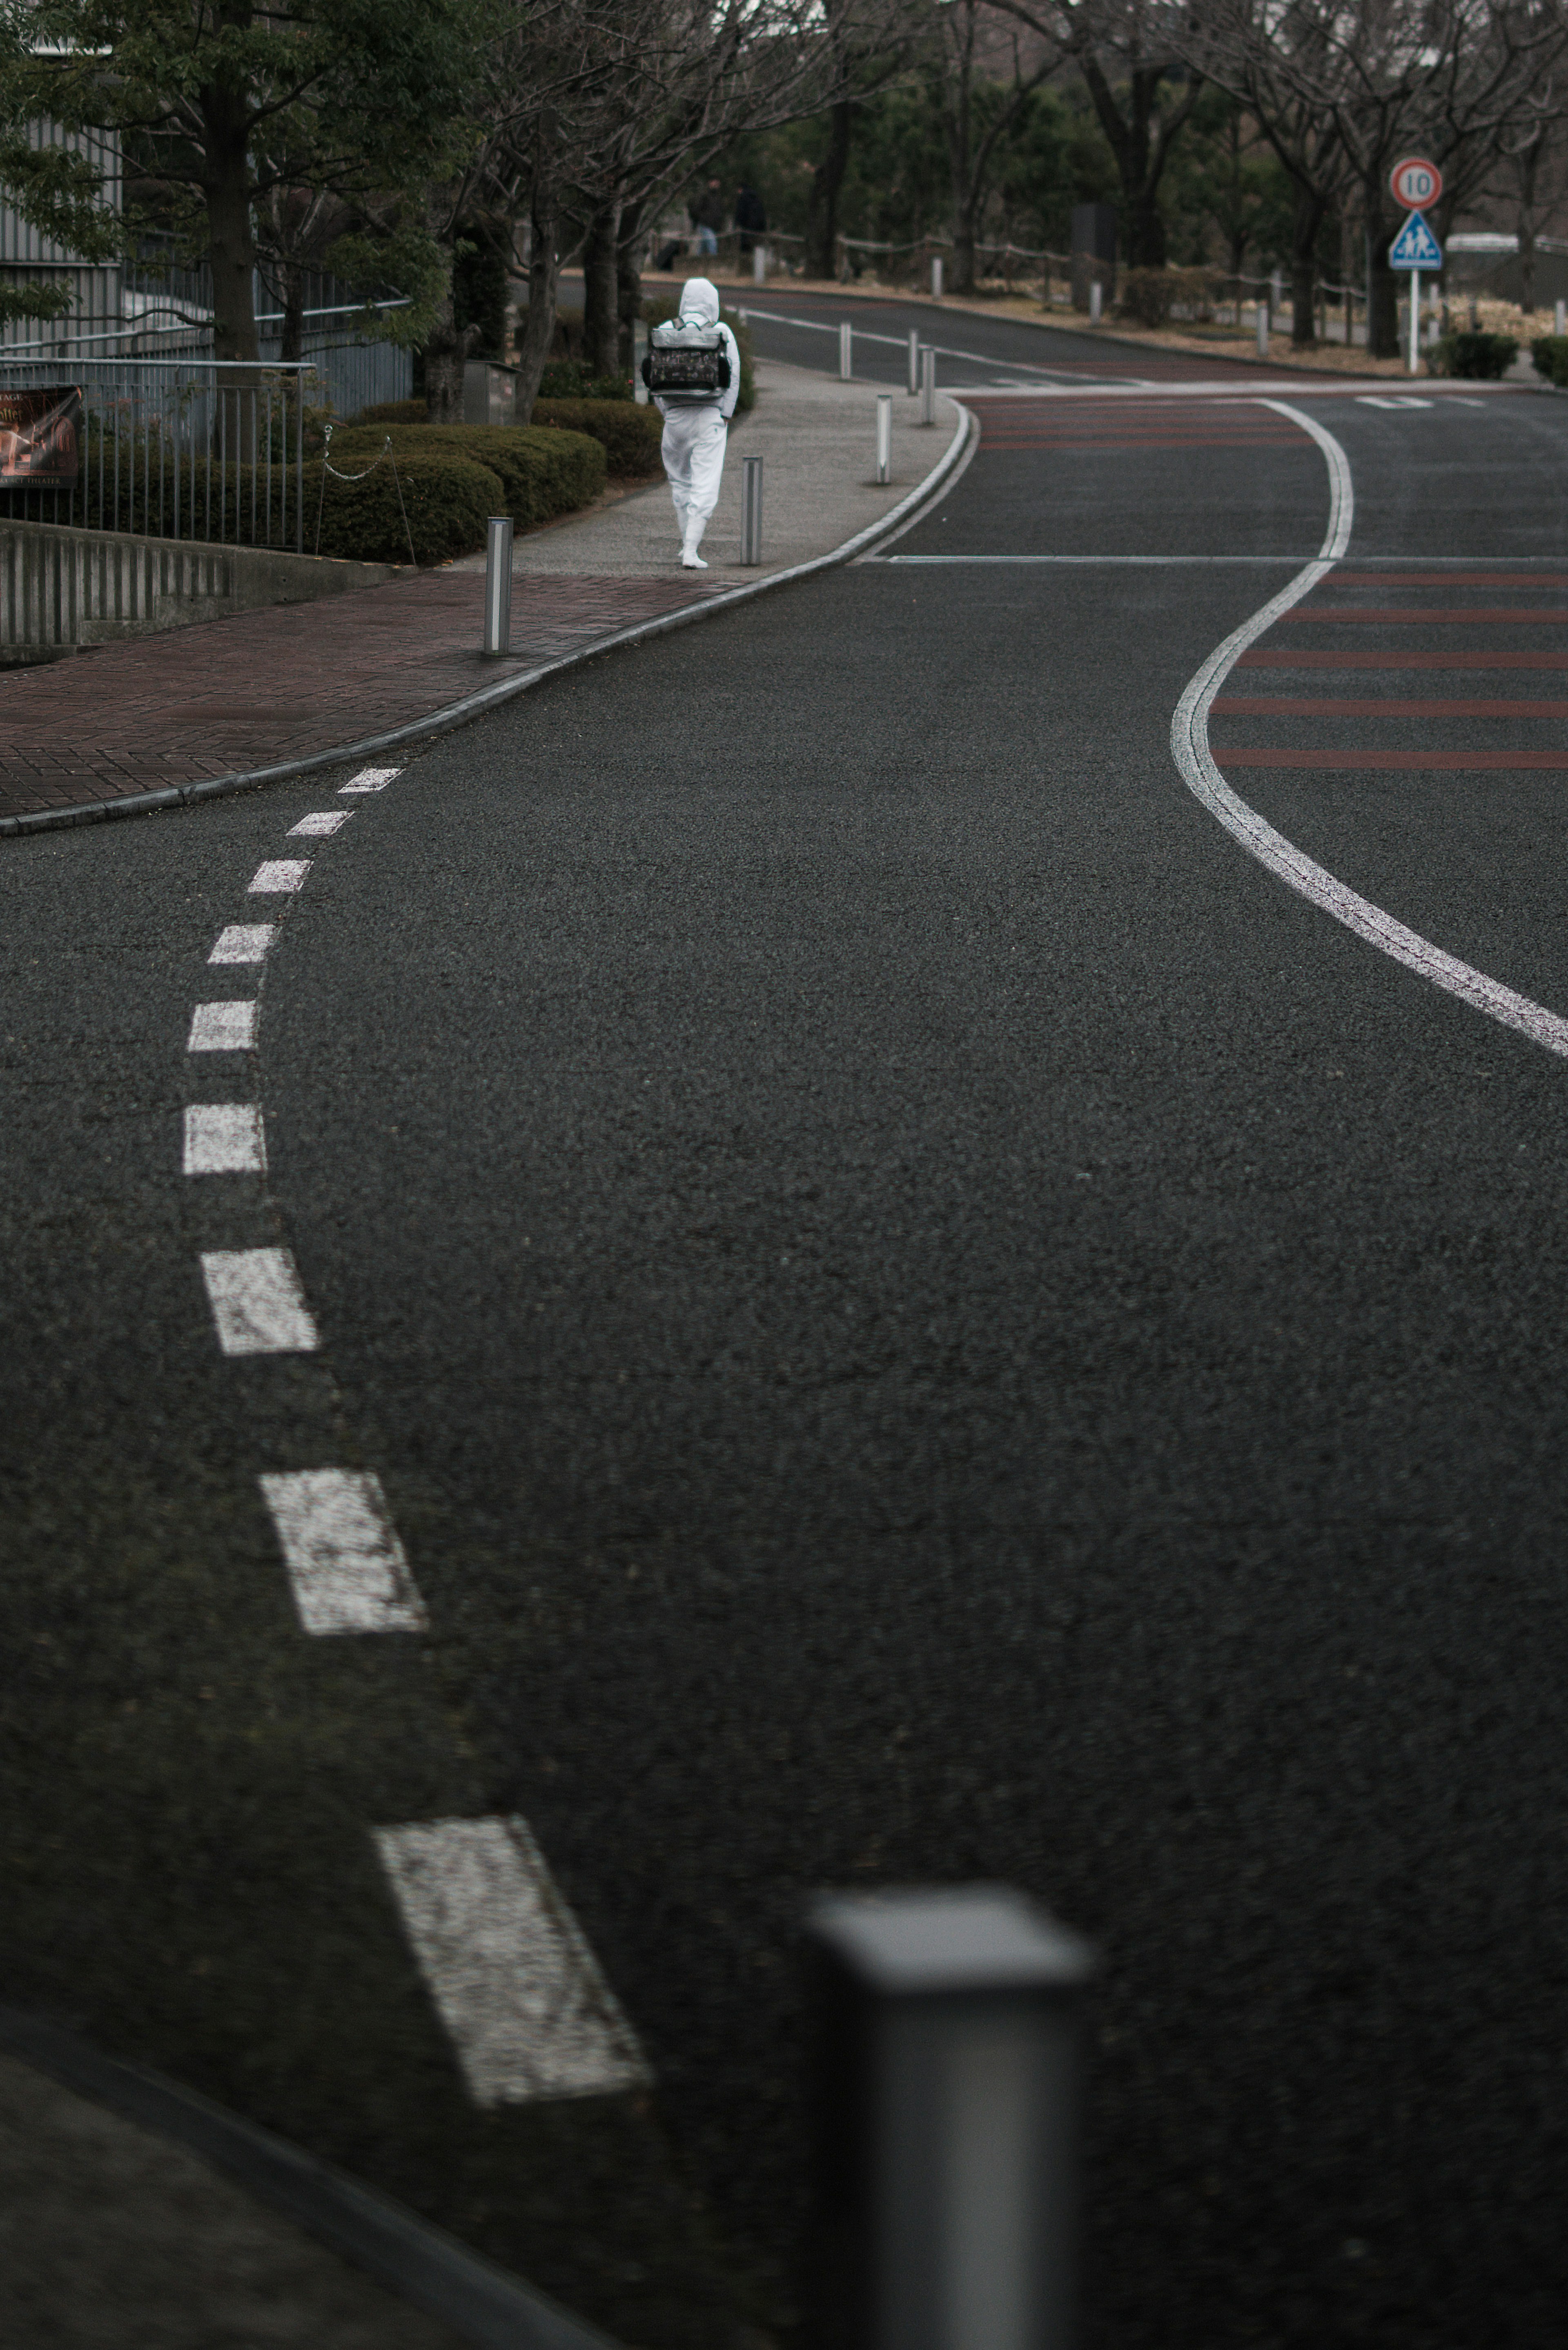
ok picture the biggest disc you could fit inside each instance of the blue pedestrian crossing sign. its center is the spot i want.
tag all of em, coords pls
(1415, 248)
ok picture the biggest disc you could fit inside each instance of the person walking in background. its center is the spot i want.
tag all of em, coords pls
(696, 421)
(750, 218)
(708, 217)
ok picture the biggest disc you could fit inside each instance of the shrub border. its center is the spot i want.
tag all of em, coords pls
(474, 705)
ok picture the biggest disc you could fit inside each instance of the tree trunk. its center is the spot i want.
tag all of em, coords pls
(1382, 285)
(292, 312)
(1141, 141)
(628, 285)
(600, 278)
(1306, 219)
(231, 242)
(822, 218)
(544, 275)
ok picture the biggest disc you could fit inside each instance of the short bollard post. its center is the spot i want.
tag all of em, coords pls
(498, 584)
(947, 2120)
(937, 275)
(846, 351)
(759, 265)
(928, 384)
(1263, 324)
(914, 361)
(751, 510)
(1097, 297)
(884, 436)
(1560, 318)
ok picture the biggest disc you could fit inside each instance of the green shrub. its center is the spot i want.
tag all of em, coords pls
(1149, 295)
(395, 412)
(659, 306)
(569, 380)
(630, 434)
(1549, 357)
(1482, 357)
(447, 500)
(542, 474)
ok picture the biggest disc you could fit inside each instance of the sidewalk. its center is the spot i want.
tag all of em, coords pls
(231, 699)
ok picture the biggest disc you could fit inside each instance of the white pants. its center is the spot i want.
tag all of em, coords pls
(693, 453)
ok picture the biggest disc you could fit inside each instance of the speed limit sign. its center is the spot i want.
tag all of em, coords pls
(1416, 183)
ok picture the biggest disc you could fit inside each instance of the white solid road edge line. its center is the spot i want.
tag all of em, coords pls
(224, 1139)
(226, 1027)
(346, 1566)
(1189, 747)
(258, 1302)
(514, 1980)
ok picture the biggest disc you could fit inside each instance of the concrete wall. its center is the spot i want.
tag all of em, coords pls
(60, 588)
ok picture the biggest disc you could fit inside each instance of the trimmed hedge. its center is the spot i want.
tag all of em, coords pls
(628, 434)
(1482, 357)
(447, 500)
(569, 380)
(542, 473)
(1549, 357)
(396, 412)
(659, 306)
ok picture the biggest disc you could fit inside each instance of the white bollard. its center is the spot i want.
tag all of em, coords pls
(937, 275)
(884, 436)
(914, 361)
(1263, 325)
(1560, 318)
(498, 586)
(751, 510)
(1097, 297)
(846, 351)
(759, 265)
(928, 384)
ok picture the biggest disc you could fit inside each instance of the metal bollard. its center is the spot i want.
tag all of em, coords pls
(759, 265)
(1097, 297)
(846, 351)
(1263, 325)
(751, 510)
(1560, 318)
(884, 436)
(639, 390)
(937, 275)
(928, 384)
(914, 361)
(498, 584)
(947, 2111)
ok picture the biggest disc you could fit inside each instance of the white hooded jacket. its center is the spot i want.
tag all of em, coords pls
(699, 307)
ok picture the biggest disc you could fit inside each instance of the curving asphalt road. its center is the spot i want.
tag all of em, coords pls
(920, 1315)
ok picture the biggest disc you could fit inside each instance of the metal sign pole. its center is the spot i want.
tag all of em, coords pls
(1415, 322)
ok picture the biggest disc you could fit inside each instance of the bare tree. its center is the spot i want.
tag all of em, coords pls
(970, 40)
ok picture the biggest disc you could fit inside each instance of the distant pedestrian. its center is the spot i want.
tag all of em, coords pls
(708, 218)
(696, 419)
(751, 217)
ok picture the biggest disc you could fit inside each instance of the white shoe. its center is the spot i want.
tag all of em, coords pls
(690, 560)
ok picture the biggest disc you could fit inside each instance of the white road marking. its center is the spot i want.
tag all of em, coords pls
(279, 876)
(244, 942)
(229, 1027)
(1406, 400)
(512, 1979)
(224, 1139)
(1190, 746)
(258, 1302)
(370, 779)
(316, 827)
(344, 1562)
(1279, 559)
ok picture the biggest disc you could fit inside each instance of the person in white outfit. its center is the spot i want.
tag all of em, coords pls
(695, 436)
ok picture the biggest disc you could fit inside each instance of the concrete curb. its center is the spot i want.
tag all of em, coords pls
(483, 2304)
(474, 705)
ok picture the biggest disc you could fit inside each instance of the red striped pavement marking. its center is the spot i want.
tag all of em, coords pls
(1445, 580)
(1287, 705)
(1397, 616)
(1303, 659)
(1408, 761)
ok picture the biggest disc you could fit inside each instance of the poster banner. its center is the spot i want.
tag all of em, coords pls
(40, 435)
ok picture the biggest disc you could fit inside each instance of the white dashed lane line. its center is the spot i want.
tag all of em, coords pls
(224, 1139)
(512, 1979)
(344, 1562)
(228, 1028)
(370, 779)
(244, 942)
(319, 826)
(279, 876)
(258, 1302)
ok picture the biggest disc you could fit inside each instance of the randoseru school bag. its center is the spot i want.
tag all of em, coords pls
(686, 364)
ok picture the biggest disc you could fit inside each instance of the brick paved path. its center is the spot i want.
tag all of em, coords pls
(227, 696)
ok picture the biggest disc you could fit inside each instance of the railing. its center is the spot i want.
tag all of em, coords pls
(179, 448)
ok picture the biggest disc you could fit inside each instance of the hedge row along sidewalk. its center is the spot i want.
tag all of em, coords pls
(131, 727)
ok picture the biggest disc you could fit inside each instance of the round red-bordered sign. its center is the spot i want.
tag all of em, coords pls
(1416, 183)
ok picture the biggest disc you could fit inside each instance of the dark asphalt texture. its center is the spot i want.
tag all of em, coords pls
(921, 1317)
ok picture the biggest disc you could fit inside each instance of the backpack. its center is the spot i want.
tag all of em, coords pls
(686, 364)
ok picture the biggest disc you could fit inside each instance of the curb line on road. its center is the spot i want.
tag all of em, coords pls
(474, 705)
(490, 2308)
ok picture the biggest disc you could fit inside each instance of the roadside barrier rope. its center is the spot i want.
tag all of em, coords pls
(388, 457)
